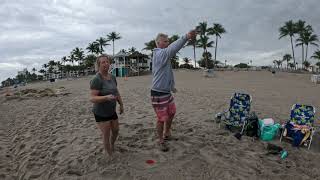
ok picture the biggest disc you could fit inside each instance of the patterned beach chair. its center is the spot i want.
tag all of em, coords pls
(238, 112)
(300, 127)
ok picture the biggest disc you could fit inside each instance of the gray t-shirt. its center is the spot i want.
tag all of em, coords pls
(105, 87)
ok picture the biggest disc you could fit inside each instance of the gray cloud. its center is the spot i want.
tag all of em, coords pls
(35, 31)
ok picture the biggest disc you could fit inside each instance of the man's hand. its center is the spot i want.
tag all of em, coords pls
(174, 90)
(192, 35)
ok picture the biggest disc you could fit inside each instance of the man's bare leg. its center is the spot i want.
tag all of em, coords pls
(167, 127)
(160, 127)
(160, 131)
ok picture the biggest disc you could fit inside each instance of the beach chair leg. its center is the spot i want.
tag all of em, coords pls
(244, 123)
(310, 140)
(310, 144)
(283, 129)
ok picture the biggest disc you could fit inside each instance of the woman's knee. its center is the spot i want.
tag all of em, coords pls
(105, 130)
(115, 130)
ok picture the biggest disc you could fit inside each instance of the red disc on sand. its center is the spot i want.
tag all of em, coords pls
(150, 161)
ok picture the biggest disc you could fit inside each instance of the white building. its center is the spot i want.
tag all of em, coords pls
(126, 64)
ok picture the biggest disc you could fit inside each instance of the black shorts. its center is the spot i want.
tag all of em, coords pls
(103, 119)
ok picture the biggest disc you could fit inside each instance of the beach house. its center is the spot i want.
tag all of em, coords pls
(130, 64)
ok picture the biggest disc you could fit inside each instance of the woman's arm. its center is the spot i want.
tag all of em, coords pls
(95, 98)
(119, 99)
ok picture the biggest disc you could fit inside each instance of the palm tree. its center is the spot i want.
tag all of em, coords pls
(89, 60)
(289, 29)
(287, 58)
(102, 42)
(64, 60)
(318, 64)
(123, 51)
(72, 58)
(316, 55)
(150, 46)
(206, 60)
(173, 38)
(205, 43)
(112, 37)
(51, 65)
(306, 64)
(312, 39)
(291, 65)
(193, 44)
(34, 70)
(186, 63)
(186, 60)
(306, 38)
(216, 30)
(202, 28)
(93, 48)
(278, 63)
(174, 62)
(68, 68)
(78, 55)
(45, 66)
(132, 50)
(42, 71)
(300, 29)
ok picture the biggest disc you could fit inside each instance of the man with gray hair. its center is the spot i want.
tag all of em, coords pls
(163, 83)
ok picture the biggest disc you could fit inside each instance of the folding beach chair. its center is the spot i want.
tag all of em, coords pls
(300, 127)
(238, 113)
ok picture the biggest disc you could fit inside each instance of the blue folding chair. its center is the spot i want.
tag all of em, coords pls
(300, 116)
(238, 112)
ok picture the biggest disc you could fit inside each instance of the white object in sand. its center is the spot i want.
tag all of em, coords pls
(268, 122)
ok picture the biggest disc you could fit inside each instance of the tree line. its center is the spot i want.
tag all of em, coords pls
(301, 35)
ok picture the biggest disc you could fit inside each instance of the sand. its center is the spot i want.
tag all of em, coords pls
(56, 137)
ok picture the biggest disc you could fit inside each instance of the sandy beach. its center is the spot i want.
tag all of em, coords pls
(55, 137)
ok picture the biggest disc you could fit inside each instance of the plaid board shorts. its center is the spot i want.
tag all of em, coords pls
(164, 107)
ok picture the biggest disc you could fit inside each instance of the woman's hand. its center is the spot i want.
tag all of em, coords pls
(110, 97)
(121, 108)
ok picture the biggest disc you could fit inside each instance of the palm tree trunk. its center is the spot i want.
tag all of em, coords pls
(294, 60)
(194, 55)
(113, 47)
(206, 58)
(302, 55)
(215, 51)
(306, 52)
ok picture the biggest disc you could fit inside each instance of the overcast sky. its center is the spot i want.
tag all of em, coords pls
(32, 32)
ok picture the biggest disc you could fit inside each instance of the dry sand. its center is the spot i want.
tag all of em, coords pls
(55, 137)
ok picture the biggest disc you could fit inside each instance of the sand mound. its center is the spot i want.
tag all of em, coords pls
(37, 93)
